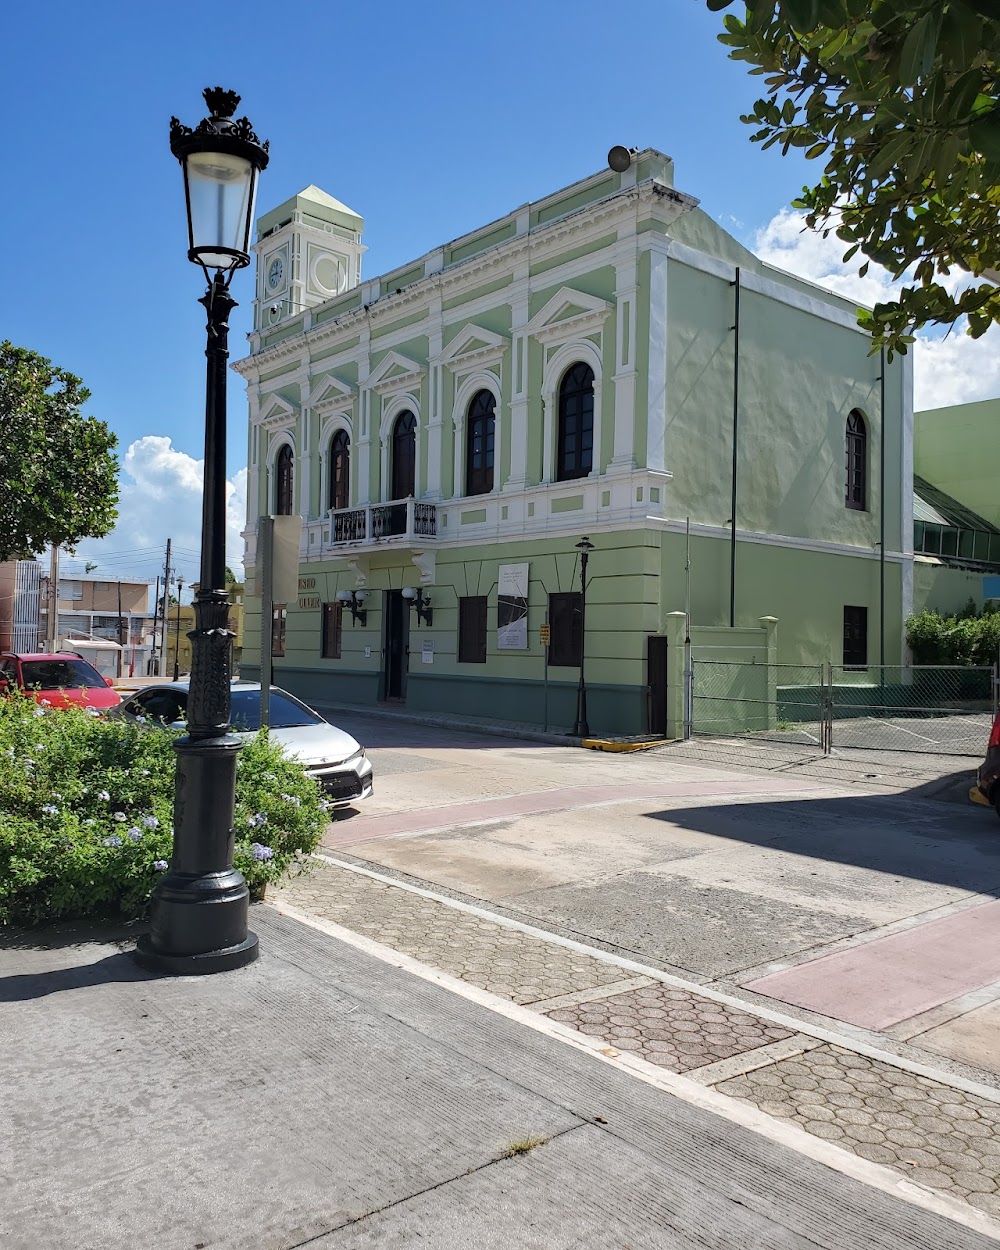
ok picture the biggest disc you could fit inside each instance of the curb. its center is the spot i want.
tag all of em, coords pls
(606, 744)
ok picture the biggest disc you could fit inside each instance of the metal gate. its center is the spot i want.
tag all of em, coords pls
(826, 707)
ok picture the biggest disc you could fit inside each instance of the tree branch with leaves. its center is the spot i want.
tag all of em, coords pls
(900, 99)
(58, 468)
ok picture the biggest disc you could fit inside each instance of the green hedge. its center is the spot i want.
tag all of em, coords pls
(86, 813)
(966, 638)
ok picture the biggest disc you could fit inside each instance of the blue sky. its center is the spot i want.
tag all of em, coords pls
(429, 120)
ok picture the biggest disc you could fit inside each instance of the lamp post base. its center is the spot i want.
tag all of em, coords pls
(147, 956)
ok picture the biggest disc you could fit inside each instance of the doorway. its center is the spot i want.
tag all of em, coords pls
(395, 645)
(656, 684)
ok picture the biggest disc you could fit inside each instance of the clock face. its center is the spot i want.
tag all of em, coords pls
(275, 272)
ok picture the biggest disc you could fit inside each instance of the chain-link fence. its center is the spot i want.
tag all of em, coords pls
(936, 710)
(780, 702)
(933, 709)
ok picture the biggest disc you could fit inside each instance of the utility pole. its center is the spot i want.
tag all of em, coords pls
(156, 610)
(122, 639)
(161, 666)
(177, 631)
(52, 625)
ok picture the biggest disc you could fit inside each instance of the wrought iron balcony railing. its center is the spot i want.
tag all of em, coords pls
(403, 518)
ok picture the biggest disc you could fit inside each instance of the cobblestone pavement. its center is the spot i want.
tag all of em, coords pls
(670, 1027)
(937, 1135)
(941, 1137)
(502, 960)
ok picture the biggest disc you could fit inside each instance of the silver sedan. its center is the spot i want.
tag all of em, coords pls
(331, 756)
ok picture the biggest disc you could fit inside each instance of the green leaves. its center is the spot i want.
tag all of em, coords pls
(901, 99)
(60, 473)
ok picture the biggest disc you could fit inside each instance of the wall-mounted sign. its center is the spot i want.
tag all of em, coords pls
(991, 587)
(307, 583)
(512, 607)
(427, 651)
(309, 603)
(545, 634)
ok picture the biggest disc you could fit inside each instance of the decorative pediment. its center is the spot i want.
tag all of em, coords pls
(472, 348)
(568, 314)
(328, 394)
(276, 413)
(395, 373)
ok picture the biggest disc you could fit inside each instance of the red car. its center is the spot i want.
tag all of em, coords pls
(63, 679)
(988, 778)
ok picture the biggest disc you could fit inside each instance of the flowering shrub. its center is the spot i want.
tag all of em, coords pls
(86, 813)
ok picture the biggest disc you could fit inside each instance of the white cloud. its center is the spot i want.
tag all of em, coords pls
(160, 498)
(948, 368)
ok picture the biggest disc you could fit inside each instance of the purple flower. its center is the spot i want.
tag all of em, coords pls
(120, 816)
(103, 794)
(261, 852)
(50, 809)
(150, 822)
(114, 840)
(135, 834)
(259, 819)
(160, 865)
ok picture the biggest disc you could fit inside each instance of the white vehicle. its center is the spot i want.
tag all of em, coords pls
(331, 756)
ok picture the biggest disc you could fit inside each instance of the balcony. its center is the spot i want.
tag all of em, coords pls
(632, 498)
(404, 519)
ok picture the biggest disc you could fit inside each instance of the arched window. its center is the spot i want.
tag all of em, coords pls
(404, 456)
(340, 470)
(283, 488)
(575, 447)
(480, 432)
(857, 462)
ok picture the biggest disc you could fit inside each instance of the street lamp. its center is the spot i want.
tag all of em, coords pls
(581, 729)
(177, 630)
(200, 906)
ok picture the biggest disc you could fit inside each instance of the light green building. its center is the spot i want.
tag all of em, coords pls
(956, 518)
(606, 362)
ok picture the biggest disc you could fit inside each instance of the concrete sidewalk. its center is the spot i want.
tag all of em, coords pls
(322, 1097)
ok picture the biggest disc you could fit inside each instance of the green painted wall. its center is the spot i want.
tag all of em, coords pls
(806, 590)
(948, 450)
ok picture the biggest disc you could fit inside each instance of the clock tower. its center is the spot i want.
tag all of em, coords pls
(308, 251)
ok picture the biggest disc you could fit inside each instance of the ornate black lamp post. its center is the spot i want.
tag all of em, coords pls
(200, 906)
(581, 729)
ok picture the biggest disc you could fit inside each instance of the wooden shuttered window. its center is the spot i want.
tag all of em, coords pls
(278, 619)
(566, 636)
(472, 630)
(333, 625)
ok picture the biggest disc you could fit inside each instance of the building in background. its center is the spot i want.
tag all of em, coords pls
(608, 362)
(20, 585)
(956, 517)
(180, 623)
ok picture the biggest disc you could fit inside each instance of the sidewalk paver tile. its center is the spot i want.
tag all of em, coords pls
(504, 961)
(938, 1136)
(671, 1027)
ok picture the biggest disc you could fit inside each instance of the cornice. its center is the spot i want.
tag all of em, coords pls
(476, 269)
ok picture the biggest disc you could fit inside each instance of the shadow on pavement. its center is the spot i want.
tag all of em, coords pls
(112, 968)
(871, 831)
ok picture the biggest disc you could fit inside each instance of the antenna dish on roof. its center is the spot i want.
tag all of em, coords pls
(619, 159)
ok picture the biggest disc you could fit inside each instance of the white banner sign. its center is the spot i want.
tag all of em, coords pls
(512, 608)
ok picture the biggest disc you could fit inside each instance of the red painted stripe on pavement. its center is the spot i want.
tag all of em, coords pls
(368, 828)
(893, 978)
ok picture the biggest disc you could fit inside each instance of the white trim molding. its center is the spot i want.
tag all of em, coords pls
(569, 314)
(395, 373)
(277, 413)
(472, 348)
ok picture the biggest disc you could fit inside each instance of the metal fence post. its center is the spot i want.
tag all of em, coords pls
(827, 687)
(688, 691)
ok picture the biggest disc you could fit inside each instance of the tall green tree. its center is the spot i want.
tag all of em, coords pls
(899, 99)
(58, 471)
